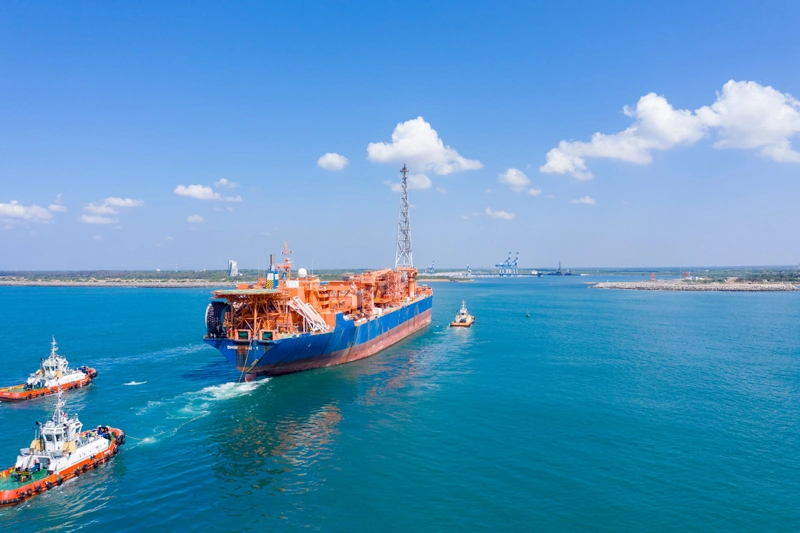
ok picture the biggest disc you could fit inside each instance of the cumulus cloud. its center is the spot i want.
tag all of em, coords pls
(745, 115)
(98, 237)
(123, 202)
(441, 190)
(416, 143)
(204, 192)
(106, 213)
(224, 183)
(102, 209)
(97, 219)
(587, 200)
(332, 161)
(500, 214)
(14, 212)
(198, 192)
(194, 219)
(415, 181)
(56, 206)
(534, 192)
(514, 178)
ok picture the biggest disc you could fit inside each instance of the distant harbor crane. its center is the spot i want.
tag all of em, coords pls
(508, 267)
(432, 268)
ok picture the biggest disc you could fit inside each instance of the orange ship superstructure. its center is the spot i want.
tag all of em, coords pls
(283, 324)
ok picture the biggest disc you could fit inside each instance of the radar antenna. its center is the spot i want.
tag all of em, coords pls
(403, 254)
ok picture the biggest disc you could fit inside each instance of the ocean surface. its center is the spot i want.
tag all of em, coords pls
(602, 411)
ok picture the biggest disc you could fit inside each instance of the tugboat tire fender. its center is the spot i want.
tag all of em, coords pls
(49, 485)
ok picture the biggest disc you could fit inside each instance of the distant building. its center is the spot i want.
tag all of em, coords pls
(233, 268)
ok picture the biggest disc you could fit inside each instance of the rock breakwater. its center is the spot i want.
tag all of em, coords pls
(680, 285)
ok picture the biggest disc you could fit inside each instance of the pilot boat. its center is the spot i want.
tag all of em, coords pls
(59, 451)
(54, 375)
(463, 318)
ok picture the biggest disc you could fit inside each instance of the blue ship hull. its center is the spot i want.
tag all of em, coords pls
(347, 342)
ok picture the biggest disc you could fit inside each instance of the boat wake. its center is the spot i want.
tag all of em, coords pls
(185, 408)
(130, 383)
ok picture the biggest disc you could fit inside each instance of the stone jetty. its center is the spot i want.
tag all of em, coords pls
(681, 285)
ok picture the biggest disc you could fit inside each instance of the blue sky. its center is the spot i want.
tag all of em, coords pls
(111, 112)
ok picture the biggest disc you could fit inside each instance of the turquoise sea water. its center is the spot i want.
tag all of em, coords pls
(603, 411)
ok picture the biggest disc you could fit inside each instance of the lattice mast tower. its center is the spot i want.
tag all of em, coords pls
(403, 255)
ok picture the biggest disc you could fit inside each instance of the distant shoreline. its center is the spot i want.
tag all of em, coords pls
(151, 284)
(681, 285)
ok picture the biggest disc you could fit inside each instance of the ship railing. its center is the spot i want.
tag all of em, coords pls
(310, 314)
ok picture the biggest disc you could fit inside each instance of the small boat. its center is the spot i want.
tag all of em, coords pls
(52, 376)
(463, 318)
(59, 451)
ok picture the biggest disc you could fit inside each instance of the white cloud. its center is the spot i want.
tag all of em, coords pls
(194, 219)
(16, 212)
(97, 219)
(515, 179)
(124, 202)
(56, 206)
(441, 190)
(745, 115)
(106, 212)
(587, 200)
(752, 116)
(98, 237)
(198, 192)
(534, 192)
(236, 198)
(224, 183)
(332, 161)
(102, 209)
(230, 209)
(464, 217)
(415, 142)
(488, 191)
(415, 181)
(500, 214)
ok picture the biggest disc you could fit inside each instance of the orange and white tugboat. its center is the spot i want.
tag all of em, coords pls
(463, 318)
(59, 452)
(54, 374)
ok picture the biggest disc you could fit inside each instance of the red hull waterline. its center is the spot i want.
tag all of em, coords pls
(351, 354)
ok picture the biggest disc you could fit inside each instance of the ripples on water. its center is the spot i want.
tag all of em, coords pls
(602, 411)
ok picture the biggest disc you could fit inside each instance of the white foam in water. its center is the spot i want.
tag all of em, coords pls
(198, 405)
(226, 391)
(136, 383)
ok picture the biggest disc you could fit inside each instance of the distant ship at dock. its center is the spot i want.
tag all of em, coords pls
(560, 272)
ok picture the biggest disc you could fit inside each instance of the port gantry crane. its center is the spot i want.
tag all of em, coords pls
(507, 267)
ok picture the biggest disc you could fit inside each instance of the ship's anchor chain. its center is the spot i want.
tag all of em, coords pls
(252, 366)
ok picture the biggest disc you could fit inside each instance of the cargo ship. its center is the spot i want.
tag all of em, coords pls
(283, 324)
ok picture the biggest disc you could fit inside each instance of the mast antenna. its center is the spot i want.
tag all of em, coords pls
(403, 255)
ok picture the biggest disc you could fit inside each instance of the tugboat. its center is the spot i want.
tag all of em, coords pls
(463, 318)
(52, 376)
(59, 452)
